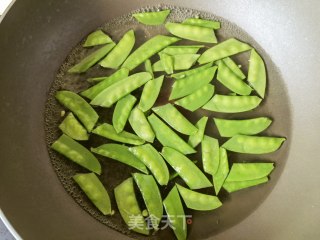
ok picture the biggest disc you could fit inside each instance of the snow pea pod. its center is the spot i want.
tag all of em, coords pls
(229, 128)
(140, 125)
(148, 49)
(235, 186)
(151, 196)
(152, 18)
(257, 73)
(195, 139)
(148, 67)
(120, 52)
(191, 72)
(184, 49)
(185, 86)
(122, 111)
(190, 32)
(153, 160)
(129, 208)
(167, 62)
(95, 191)
(225, 49)
(77, 153)
(198, 201)
(233, 67)
(202, 23)
(173, 206)
(253, 144)
(180, 62)
(120, 153)
(121, 88)
(97, 38)
(167, 137)
(150, 93)
(118, 75)
(222, 172)
(175, 119)
(232, 104)
(107, 130)
(210, 154)
(92, 59)
(197, 99)
(73, 128)
(249, 171)
(186, 169)
(76, 104)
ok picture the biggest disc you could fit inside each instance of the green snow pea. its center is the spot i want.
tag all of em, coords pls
(257, 73)
(150, 93)
(225, 49)
(249, 171)
(73, 128)
(173, 206)
(253, 144)
(152, 18)
(185, 86)
(184, 49)
(118, 75)
(122, 111)
(186, 169)
(210, 154)
(129, 208)
(180, 62)
(202, 23)
(232, 104)
(175, 119)
(222, 172)
(153, 160)
(167, 137)
(191, 72)
(196, 99)
(76, 104)
(148, 67)
(148, 49)
(235, 186)
(196, 138)
(190, 32)
(120, 153)
(140, 125)
(233, 67)
(167, 63)
(95, 191)
(151, 196)
(198, 201)
(77, 153)
(107, 130)
(121, 88)
(231, 80)
(97, 38)
(175, 174)
(120, 52)
(92, 59)
(229, 128)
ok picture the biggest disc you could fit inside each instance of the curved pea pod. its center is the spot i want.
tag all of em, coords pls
(77, 153)
(202, 23)
(118, 75)
(152, 18)
(129, 208)
(166, 62)
(148, 49)
(224, 49)
(167, 137)
(230, 128)
(235, 186)
(253, 144)
(175, 174)
(148, 67)
(92, 59)
(196, 138)
(257, 73)
(151, 196)
(175, 119)
(184, 49)
(120, 52)
(121, 88)
(95, 191)
(153, 160)
(186, 169)
(210, 154)
(249, 171)
(73, 128)
(184, 74)
(173, 206)
(180, 62)
(76, 104)
(140, 125)
(120, 153)
(150, 93)
(107, 130)
(194, 33)
(222, 172)
(232, 81)
(232, 104)
(198, 201)
(97, 38)
(196, 99)
(233, 67)
(122, 111)
(185, 86)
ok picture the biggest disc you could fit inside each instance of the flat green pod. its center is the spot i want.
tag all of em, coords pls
(152, 18)
(97, 38)
(73, 128)
(150, 93)
(196, 138)
(202, 23)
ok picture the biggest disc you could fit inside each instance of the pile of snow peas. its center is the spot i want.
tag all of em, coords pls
(192, 75)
